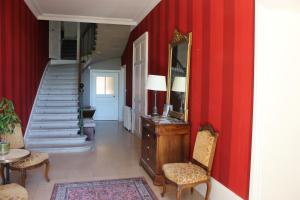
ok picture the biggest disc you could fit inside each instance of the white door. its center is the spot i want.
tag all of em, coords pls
(105, 95)
(54, 39)
(140, 73)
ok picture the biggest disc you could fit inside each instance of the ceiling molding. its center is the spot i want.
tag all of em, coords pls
(146, 11)
(39, 14)
(34, 7)
(87, 19)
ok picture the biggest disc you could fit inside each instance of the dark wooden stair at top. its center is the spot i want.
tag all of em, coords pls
(69, 49)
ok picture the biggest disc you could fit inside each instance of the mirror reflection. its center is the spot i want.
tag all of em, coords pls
(178, 76)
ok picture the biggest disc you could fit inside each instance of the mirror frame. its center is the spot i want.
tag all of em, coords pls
(177, 39)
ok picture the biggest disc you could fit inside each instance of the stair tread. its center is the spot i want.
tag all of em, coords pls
(58, 137)
(86, 143)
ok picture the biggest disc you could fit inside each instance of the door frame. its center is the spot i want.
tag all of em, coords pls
(145, 37)
(120, 87)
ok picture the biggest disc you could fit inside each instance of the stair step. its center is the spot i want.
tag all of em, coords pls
(73, 103)
(55, 117)
(58, 148)
(59, 91)
(78, 139)
(55, 124)
(57, 77)
(58, 97)
(60, 81)
(56, 110)
(61, 87)
(53, 132)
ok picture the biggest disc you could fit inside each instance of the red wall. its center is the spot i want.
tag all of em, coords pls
(23, 55)
(221, 88)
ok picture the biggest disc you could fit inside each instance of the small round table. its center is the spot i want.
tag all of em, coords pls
(14, 155)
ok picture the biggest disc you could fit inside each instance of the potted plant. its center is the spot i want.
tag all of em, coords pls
(8, 121)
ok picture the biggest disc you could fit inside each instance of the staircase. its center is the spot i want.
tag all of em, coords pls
(54, 124)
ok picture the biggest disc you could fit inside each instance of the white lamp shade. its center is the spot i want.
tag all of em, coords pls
(156, 83)
(179, 84)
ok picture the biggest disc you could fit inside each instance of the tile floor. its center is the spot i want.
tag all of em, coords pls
(116, 155)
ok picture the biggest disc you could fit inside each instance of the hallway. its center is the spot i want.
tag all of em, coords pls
(116, 156)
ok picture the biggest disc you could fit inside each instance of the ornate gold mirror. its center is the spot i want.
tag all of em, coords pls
(179, 74)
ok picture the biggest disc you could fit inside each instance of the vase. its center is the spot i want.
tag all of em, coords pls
(4, 148)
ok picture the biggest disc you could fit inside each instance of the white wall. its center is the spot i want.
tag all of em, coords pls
(275, 169)
(70, 30)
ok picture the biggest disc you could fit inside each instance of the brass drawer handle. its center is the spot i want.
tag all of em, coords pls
(148, 147)
(148, 135)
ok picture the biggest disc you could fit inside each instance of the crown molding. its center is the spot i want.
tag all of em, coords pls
(143, 13)
(34, 7)
(86, 19)
(39, 14)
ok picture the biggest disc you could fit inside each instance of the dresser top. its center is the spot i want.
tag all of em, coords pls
(164, 120)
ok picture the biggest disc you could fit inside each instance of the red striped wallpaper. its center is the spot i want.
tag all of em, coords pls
(221, 89)
(23, 55)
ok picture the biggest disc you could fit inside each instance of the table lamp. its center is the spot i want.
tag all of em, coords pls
(179, 85)
(156, 83)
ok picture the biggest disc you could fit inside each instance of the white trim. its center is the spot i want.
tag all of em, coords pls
(86, 19)
(63, 62)
(34, 7)
(35, 100)
(144, 36)
(150, 6)
(218, 191)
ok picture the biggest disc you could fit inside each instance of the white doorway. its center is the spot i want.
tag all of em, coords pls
(105, 94)
(139, 77)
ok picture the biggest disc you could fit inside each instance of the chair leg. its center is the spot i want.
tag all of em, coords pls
(47, 170)
(208, 184)
(164, 187)
(192, 190)
(178, 194)
(2, 172)
(23, 177)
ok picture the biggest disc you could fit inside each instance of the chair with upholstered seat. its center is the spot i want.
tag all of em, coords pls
(188, 175)
(33, 161)
(13, 192)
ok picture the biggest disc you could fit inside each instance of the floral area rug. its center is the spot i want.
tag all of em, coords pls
(120, 189)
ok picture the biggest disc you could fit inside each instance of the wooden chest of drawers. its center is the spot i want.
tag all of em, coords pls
(163, 143)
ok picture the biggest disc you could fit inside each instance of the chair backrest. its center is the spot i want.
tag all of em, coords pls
(205, 146)
(15, 139)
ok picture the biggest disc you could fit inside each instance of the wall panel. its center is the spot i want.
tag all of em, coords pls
(23, 55)
(221, 82)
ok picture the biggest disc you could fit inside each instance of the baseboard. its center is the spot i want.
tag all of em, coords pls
(218, 191)
(62, 62)
(35, 100)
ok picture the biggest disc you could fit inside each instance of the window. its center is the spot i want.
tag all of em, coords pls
(105, 85)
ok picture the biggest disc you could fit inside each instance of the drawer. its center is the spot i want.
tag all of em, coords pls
(148, 126)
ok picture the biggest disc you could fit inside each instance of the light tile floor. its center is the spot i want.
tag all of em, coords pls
(116, 155)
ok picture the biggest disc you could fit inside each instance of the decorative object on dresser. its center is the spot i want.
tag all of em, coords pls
(188, 175)
(179, 74)
(164, 140)
(156, 83)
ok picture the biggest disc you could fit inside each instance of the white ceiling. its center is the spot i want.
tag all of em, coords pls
(125, 12)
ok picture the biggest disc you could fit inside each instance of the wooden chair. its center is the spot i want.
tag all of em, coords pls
(13, 192)
(33, 161)
(188, 175)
